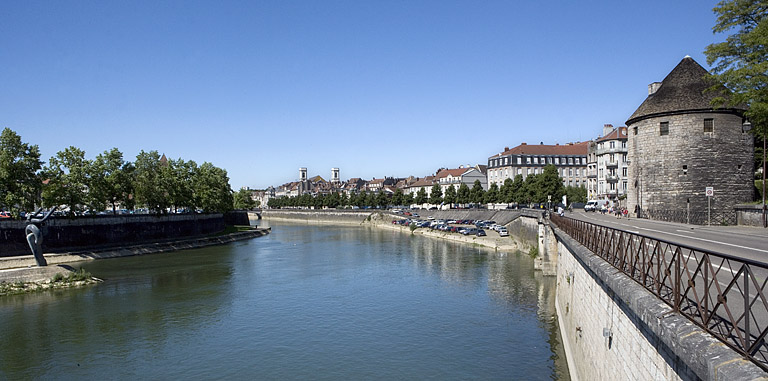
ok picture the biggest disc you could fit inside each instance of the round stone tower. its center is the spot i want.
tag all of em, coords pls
(679, 145)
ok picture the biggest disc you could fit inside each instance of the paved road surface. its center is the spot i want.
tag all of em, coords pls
(741, 241)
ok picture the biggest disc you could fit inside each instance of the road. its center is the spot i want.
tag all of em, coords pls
(739, 241)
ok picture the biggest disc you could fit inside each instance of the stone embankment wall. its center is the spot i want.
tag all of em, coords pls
(614, 329)
(66, 234)
(28, 261)
(353, 217)
(523, 231)
(749, 215)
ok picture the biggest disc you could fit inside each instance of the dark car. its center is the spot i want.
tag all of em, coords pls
(480, 233)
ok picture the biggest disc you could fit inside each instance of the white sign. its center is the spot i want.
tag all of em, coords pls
(710, 191)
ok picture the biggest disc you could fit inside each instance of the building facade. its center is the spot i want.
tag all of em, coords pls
(607, 165)
(462, 175)
(569, 159)
(679, 145)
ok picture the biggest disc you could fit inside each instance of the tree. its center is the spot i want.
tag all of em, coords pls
(575, 194)
(492, 195)
(421, 196)
(408, 199)
(463, 194)
(111, 180)
(506, 192)
(397, 198)
(518, 189)
(343, 199)
(243, 200)
(436, 194)
(382, 199)
(178, 177)
(741, 61)
(149, 185)
(20, 163)
(548, 183)
(212, 189)
(477, 194)
(450, 195)
(741, 64)
(68, 180)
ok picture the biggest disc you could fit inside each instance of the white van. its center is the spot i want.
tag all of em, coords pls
(595, 205)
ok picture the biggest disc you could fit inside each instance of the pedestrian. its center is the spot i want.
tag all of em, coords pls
(560, 210)
(626, 213)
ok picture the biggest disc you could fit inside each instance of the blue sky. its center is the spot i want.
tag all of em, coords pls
(376, 88)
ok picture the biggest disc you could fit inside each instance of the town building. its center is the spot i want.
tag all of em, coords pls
(679, 144)
(569, 159)
(607, 165)
(462, 175)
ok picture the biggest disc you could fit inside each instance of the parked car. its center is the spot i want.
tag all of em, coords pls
(480, 233)
(503, 232)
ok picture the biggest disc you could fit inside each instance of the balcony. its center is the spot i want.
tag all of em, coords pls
(611, 150)
(612, 178)
(612, 164)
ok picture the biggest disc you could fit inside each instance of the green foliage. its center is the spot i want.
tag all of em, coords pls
(477, 194)
(150, 184)
(576, 194)
(450, 195)
(436, 194)
(68, 175)
(398, 198)
(533, 252)
(741, 61)
(408, 199)
(110, 180)
(463, 194)
(243, 199)
(381, 199)
(421, 196)
(212, 190)
(20, 184)
(492, 195)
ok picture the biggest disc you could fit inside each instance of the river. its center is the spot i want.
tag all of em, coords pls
(305, 302)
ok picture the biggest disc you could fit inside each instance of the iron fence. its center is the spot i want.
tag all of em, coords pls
(725, 217)
(723, 294)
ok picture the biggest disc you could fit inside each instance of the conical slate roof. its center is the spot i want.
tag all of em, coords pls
(682, 90)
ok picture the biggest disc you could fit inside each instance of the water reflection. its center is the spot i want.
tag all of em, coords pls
(318, 302)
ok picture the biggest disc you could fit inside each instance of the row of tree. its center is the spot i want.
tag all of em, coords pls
(71, 180)
(534, 189)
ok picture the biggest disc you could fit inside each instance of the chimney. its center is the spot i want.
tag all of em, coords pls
(653, 88)
(506, 149)
(522, 144)
(607, 129)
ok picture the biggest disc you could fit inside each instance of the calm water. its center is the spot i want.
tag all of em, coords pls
(306, 302)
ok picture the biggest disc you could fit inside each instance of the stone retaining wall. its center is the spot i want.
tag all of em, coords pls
(66, 234)
(614, 329)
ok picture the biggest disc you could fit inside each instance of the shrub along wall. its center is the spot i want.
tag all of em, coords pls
(63, 234)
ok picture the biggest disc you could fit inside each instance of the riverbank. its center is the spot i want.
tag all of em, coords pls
(508, 244)
(28, 261)
(383, 220)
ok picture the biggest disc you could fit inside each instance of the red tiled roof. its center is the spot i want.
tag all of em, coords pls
(456, 172)
(579, 148)
(617, 133)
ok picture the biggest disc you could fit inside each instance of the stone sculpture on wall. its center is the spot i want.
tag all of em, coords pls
(35, 236)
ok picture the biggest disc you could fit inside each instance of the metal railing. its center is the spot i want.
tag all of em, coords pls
(721, 293)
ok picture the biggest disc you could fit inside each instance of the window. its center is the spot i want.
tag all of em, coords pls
(528, 160)
(613, 144)
(519, 171)
(624, 185)
(535, 160)
(624, 171)
(624, 144)
(570, 172)
(519, 160)
(634, 130)
(577, 172)
(557, 160)
(570, 160)
(664, 128)
(709, 125)
(685, 169)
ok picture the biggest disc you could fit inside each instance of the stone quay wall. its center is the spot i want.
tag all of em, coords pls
(749, 215)
(614, 329)
(66, 234)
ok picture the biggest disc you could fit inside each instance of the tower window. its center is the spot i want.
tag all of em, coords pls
(685, 169)
(709, 125)
(634, 130)
(663, 128)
